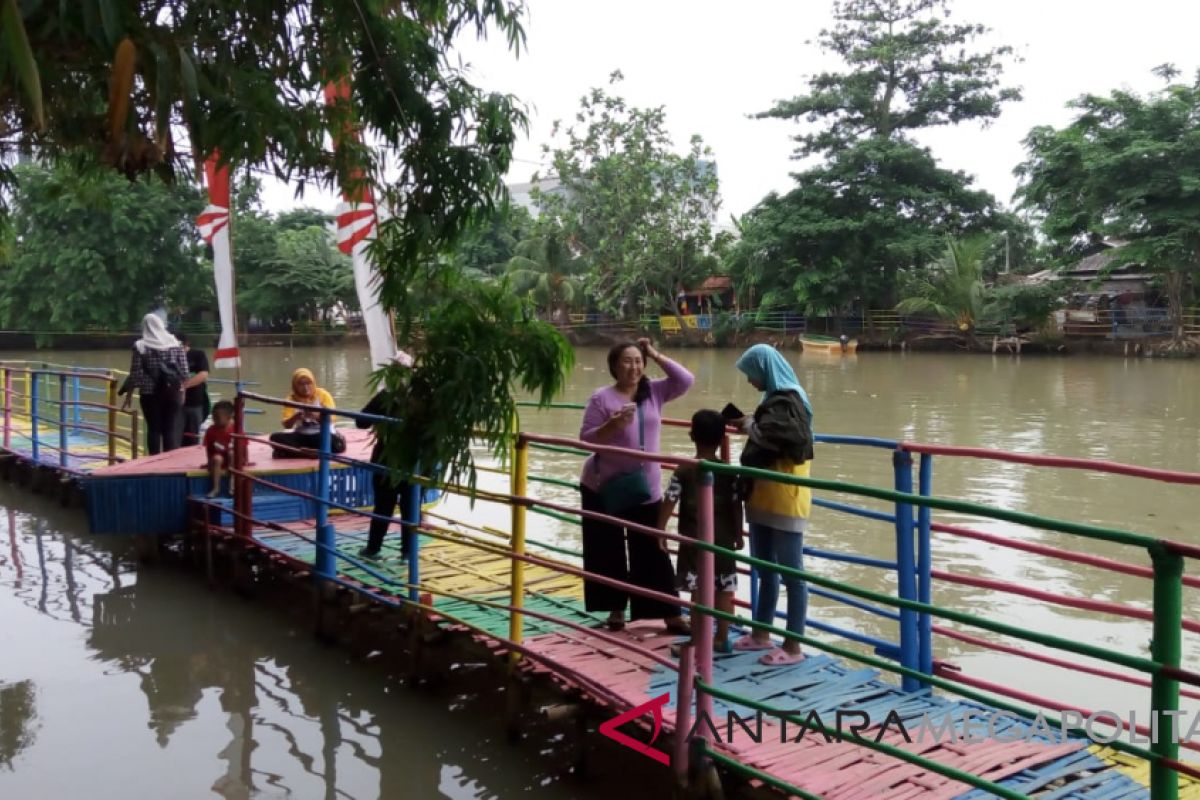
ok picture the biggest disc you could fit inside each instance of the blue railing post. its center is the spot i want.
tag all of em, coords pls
(33, 415)
(326, 561)
(62, 420)
(412, 551)
(925, 562)
(76, 414)
(906, 571)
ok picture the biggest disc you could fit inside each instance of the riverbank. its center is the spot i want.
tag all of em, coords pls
(605, 335)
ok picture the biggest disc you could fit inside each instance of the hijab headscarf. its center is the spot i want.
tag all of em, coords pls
(765, 366)
(303, 372)
(319, 397)
(155, 335)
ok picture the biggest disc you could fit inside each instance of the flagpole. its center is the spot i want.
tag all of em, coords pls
(233, 286)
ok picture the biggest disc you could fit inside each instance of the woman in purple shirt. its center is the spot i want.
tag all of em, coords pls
(628, 414)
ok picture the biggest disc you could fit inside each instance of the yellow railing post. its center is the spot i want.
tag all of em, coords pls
(28, 390)
(112, 419)
(520, 467)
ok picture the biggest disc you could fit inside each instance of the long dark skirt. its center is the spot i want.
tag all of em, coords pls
(309, 441)
(604, 553)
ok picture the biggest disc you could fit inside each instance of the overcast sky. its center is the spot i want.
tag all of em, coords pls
(713, 63)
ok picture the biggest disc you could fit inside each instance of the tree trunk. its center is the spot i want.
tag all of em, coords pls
(1175, 281)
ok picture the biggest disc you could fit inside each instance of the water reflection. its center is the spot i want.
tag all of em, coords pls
(18, 719)
(211, 695)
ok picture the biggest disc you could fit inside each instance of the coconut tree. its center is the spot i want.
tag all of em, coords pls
(952, 288)
(544, 268)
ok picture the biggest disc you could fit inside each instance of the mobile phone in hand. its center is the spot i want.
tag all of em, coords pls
(730, 411)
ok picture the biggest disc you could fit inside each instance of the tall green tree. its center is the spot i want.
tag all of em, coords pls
(1127, 167)
(154, 86)
(486, 247)
(96, 250)
(910, 69)
(640, 213)
(545, 268)
(877, 202)
(306, 278)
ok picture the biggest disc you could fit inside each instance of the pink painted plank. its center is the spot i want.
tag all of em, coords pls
(191, 459)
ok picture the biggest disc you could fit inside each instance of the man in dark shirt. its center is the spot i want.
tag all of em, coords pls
(389, 492)
(195, 399)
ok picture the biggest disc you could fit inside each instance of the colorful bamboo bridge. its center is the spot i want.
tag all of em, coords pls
(494, 585)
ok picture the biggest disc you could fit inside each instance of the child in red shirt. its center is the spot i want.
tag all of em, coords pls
(218, 444)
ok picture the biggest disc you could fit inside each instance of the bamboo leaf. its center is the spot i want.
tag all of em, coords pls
(164, 90)
(120, 87)
(111, 21)
(191, 89)
(16, 42)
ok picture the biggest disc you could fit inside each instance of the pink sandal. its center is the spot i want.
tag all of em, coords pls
(749, 643)
(780, 658)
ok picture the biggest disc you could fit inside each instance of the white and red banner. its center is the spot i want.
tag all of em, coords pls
(214, 227)
(357, 221)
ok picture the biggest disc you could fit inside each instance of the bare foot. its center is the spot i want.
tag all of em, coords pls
(213, 493)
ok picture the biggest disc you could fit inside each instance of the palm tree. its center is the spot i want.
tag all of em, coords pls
(545, 268)
(952, 289)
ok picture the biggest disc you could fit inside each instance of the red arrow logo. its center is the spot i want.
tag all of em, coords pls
(654, 706)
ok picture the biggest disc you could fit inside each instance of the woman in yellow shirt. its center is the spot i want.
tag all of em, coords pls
(303, 425)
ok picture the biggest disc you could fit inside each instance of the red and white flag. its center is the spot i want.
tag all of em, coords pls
(214, 227)
(357, 221)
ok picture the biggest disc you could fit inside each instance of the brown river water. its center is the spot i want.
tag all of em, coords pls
(119, 680)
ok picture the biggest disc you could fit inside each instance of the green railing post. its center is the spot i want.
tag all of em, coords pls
(62, 420)
(8, 392)
(1167, 649)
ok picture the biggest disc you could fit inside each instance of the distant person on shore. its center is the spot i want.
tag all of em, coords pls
(218, 445)
(157, 370)
(779, 438)
(389, 491)
(707, 432)
(304, 425)
(196, 404)
(628, 414)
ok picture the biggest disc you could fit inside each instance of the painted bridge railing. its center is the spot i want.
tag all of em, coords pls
(69, 416)
(66, 417)
(912, 605)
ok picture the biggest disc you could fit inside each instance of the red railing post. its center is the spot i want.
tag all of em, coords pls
(702, 621)
(683, 713)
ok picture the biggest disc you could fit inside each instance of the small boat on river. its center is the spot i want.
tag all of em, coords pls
(828, 345)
